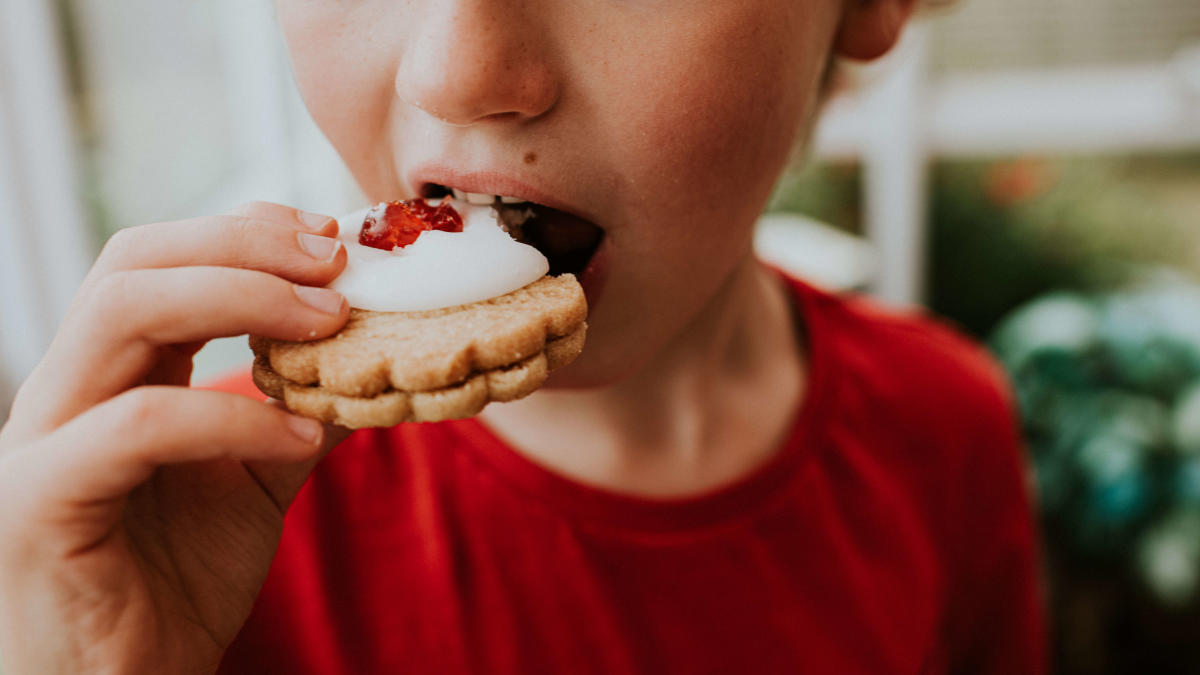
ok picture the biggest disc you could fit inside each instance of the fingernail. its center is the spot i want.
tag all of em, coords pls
(309, 431)
(320, 248)
(312, 220)
(321, 299)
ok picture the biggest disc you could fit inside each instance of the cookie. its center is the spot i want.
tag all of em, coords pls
(384, 368)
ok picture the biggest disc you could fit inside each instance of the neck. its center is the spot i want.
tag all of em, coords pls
(715, 404)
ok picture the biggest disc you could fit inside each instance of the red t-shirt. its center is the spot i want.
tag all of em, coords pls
(890, 534)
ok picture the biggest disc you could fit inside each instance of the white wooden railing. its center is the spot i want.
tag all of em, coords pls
(903, 119)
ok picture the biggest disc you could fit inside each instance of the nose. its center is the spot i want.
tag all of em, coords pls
(474, 60)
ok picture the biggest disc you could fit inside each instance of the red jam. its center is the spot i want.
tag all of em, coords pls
(400, 223)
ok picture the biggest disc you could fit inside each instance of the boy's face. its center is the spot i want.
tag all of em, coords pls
(663, 122)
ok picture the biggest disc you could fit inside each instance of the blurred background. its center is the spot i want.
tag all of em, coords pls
(1029, 169)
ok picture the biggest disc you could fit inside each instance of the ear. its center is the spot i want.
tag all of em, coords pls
(870, 28)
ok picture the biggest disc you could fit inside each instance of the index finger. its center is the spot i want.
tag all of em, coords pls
(286, 215)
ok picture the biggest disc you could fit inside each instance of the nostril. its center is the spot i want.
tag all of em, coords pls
(497, 101)
(470, 70)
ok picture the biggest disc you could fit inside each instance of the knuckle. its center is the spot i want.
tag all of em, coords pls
(18, 500)
(109, 294)
(123, 243)
(11, 518)
(241, 231)
(139, 407)
(23, 419)
(251, 208)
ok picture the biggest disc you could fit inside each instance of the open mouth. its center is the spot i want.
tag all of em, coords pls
(567, 241)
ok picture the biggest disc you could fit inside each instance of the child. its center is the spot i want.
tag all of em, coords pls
(740, 474)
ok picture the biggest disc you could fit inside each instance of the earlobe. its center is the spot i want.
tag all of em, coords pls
(870, 28)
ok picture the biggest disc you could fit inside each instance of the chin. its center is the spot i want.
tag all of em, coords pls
(607, 363)
(607, 359)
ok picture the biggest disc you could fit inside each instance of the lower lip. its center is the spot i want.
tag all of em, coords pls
(593, 277)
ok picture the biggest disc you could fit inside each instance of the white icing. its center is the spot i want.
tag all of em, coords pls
(439, 269)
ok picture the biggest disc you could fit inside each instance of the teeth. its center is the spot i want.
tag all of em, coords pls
(484, 199)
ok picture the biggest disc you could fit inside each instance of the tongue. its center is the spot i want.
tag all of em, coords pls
(566, 241)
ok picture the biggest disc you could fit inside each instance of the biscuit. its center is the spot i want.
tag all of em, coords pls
(384, 368)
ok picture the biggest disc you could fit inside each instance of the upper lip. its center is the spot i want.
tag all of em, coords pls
(490, 182)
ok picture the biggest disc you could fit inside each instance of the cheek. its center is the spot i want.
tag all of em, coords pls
(700, 123)
(344, 72)
(722, 102)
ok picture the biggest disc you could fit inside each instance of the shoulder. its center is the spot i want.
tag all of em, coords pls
(911, 395)
(906, 366)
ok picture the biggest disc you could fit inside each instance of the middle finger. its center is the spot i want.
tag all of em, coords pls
(113, 338)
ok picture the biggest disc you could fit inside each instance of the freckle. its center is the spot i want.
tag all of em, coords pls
(530, 157)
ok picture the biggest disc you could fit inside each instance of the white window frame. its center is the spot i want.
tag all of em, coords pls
(896, 126)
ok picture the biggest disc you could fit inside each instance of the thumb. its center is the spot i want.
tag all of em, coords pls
(283, 480)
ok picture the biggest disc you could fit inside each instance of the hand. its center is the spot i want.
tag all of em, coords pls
(138, 517)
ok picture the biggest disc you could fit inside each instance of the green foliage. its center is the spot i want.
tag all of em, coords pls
(1109, 390)
(1002, 233)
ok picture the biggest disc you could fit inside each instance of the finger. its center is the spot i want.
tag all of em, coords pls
(184, 304)
(116, 334)
(305, 257)
(286, 215)
(97, 458)
(283, 480)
